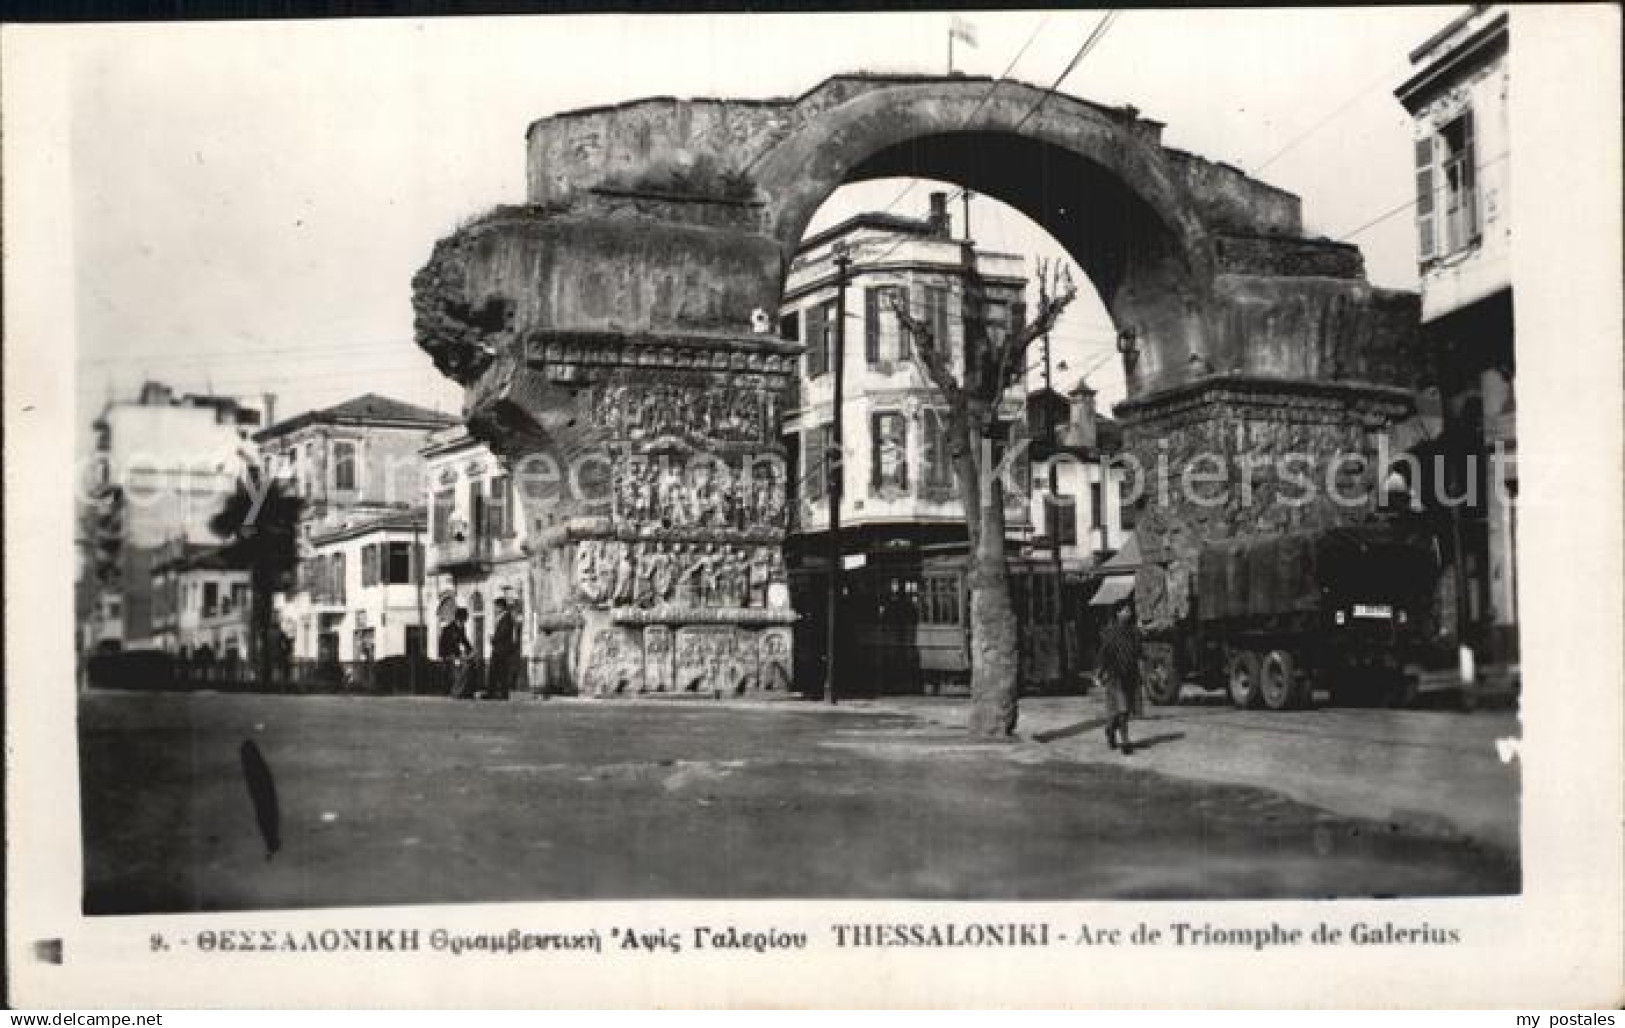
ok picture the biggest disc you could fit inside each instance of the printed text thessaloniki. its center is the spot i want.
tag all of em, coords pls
(950, 934)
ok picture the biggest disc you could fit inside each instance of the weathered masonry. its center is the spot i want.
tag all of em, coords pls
(614, 337)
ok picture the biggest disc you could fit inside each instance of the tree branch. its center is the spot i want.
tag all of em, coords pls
(1056, 291)
(923, 347)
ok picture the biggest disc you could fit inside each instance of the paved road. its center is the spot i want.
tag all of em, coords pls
(1433, 771)
(424, 800)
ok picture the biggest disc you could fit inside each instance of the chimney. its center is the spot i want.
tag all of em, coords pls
(938, 219)
(270, 410)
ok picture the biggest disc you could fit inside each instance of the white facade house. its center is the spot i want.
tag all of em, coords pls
(1457, 96)
(1083, 513)
(477, 530)
(360, 594)
(895, 452)
(357, 468)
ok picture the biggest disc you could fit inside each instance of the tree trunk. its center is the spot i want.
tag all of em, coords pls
(995, 637)
(263, 649)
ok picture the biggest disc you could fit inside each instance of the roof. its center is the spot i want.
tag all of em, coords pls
(367, 409)
(869, 219)
(197, 557)
(399, 521)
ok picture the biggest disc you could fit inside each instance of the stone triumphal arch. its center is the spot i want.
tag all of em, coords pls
(614, 335)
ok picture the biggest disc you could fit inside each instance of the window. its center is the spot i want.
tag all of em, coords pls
(369, 565)
(819, 319)
(790, 327)
(938, 473)
(883, 336)
(936, 315)
(476, 510)
(816, 462)
(1061, 520)
(398, 570)
(1447, 218)
(211, 598)
(440, 530)
(888, 464)
(1096, 515)
(939, 603)
(499, 514)
(344, 466)
(239, 596)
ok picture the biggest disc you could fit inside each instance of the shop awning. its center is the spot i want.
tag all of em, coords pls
(1113, 591)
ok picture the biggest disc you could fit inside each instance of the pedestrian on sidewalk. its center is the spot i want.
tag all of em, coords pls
(455, 648)
(505, 652)
(1119, 666)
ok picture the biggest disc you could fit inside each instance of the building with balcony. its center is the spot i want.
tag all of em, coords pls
(358, 469)
(360, 595)
(899, 491)
(903, 543)
(477, 533)
(1457, 97)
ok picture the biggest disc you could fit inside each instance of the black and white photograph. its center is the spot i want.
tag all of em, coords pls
(950, 458)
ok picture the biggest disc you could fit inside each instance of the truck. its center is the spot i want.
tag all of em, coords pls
(1272, 620)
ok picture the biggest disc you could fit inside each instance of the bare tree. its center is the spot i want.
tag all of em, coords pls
(992, 363)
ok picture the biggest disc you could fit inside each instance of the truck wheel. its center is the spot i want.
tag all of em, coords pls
(1278, 680)
(1161, 675)
(1242, 677)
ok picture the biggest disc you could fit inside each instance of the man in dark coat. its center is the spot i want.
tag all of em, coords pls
(505, 654)
(455, 648)
(1119, 666)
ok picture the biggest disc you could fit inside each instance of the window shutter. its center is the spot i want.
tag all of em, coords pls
(1427, 227)
(905, 341)
(417, 563)
(817, 342)
(875, 421)
(936, 302)
(871, 325)
(1469, 171)
(902, 446)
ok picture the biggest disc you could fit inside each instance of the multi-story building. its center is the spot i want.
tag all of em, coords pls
(476, 534)
(200, 606)
(162, 466)
(358, 469)
(903, 547)
(898, 473)
(1077, 487)
(1457, 97)
(360, 595)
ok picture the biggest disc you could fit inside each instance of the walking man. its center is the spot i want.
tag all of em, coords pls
(1119, 666)
(455, 647)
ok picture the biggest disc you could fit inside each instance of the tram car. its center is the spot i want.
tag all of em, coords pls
(905, 625)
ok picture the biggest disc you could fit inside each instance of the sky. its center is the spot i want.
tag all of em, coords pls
(251, 200)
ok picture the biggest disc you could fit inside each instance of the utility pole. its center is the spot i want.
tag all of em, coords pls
(835, 466)
(1054, 430)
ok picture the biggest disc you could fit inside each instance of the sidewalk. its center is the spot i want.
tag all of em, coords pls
(1435, 772)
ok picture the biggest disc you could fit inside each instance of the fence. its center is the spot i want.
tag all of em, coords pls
(387, 676)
